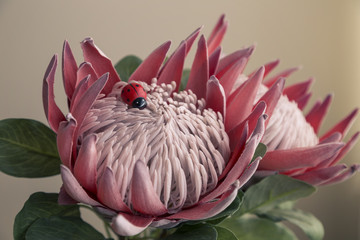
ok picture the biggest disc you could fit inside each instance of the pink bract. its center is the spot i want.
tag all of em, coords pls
(190, 164)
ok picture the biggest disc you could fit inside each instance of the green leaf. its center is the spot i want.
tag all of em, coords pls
(40, 205)
(194, 232)
(260, 151)
(28, 149)
(272, 191)
(225, 234)
(250, 228)
(60, 228)
(126, 66)
(307, 222)
(184, 79)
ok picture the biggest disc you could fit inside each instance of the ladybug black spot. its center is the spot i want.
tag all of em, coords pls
(137, 85)
(128, 100)
(128, 90)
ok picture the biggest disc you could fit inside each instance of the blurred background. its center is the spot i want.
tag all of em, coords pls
(322, 36)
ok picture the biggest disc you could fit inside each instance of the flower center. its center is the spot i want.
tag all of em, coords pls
(184, 146)
(287, 127)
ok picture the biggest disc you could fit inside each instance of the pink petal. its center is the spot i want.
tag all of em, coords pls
(217, 34)
(296, 91)
(64, 198)
(69, 68)
(188, 43)
(228, 79)
(87, 99)
(81, 108)
(86, 164)
(214, 61)
(52, 111)
(272, 96)
(335, 137)
(100, 63)
(130, 225)
(269, 82)
(219, 24)
(343, 176)
(64, 140)
(172, 71)
(109, 192)
(302, 101)
(316, 116)
(208, 209)
(86, 69)
(236, 171)
(251, 121)
(238, 137)
(226, 62)
(143, 196)
(319, 176)
(149, 68)
(249, 172)
(215, 96)
(79, 91)
(282, 160)
(240, 107)
(343, 126)
(74, 189)
(349, 145)
(270, 66)
(191, 38)
(199, 74)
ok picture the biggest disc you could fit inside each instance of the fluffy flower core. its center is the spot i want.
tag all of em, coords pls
(287, 127)
(184, 146)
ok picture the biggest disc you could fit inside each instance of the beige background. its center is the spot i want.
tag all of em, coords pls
(323, 36)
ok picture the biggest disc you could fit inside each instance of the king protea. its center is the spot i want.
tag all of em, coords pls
(182, 157)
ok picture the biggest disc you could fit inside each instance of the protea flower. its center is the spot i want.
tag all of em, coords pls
(294, 147)
(182, 157)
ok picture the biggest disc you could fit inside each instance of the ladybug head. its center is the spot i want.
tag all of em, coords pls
(139, 103)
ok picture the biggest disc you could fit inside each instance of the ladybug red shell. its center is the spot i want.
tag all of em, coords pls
(134, 95)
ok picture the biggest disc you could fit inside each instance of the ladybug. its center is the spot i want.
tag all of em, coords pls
(134, 95)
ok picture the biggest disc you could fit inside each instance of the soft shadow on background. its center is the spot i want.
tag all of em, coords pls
(322, 36)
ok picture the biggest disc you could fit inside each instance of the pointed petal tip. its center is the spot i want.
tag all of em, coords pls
(280, 84)
(355, 111)
(87, 39)
(66, 44)
(260, 71)
(167, 44)
(199, 28)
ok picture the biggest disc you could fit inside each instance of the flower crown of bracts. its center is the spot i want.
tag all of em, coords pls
(151, 144)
